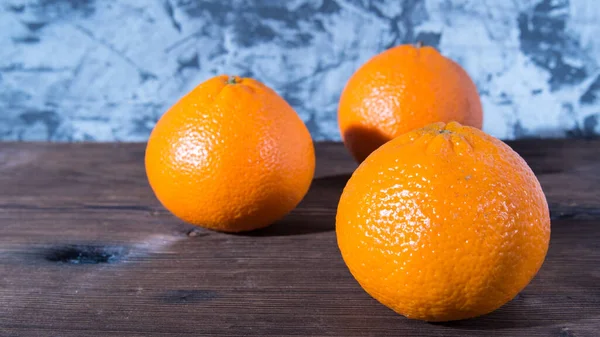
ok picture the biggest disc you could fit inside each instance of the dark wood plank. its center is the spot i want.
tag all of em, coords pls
(86, 250)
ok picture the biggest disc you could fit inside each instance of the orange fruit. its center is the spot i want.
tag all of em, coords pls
(404, 88)
(231, 155)
(443, 223)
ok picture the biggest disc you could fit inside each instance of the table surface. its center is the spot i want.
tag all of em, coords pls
(87, 250)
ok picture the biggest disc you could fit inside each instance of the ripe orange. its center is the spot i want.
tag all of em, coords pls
(402, 89)
(443, 223)
(231, 155)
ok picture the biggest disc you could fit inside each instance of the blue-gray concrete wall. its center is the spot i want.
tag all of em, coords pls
(105, 70)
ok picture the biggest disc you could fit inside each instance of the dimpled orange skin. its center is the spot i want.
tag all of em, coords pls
(230, 156)
(443, 223)
(404, 88)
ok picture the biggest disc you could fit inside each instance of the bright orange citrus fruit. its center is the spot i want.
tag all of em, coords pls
(443, 223)
(402, 89)
(231, 155)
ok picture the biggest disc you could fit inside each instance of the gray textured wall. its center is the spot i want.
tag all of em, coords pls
(106, 70)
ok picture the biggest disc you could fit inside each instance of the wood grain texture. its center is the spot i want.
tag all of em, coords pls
(86, 250)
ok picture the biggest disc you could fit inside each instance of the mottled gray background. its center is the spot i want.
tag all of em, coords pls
(105, 70)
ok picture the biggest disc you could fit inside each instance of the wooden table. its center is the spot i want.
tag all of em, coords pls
(86, 250)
